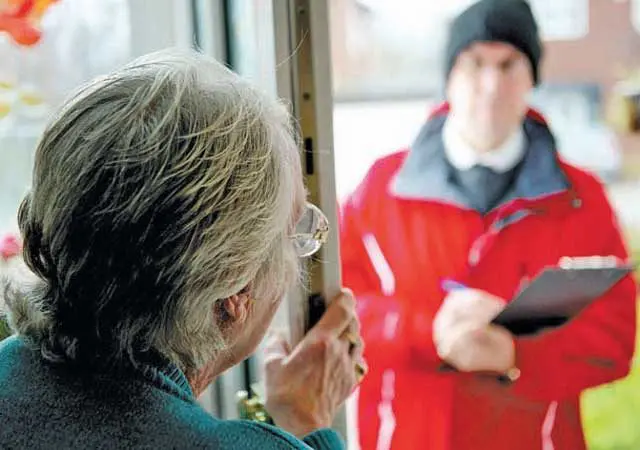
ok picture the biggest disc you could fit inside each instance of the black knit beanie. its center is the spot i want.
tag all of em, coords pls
(509, 21)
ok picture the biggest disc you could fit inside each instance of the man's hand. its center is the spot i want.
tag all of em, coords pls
(470, 348)
(464, 337)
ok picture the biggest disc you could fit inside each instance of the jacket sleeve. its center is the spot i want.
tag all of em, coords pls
(394, 335)
(596, 347)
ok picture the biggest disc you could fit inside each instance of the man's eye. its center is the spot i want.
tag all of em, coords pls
(508, 64)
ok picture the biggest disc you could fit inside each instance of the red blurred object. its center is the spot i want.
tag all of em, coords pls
(10, 247)
(21, 19)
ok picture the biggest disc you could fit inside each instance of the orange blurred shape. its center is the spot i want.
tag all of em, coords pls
(20, 19)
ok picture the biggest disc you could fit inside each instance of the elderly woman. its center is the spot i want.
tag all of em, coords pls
(161, 226)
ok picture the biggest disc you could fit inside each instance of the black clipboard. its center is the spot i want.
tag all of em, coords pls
(557, 295)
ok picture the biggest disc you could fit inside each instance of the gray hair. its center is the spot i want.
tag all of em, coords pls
(157, 190)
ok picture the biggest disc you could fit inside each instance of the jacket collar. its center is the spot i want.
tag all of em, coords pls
(425, 173)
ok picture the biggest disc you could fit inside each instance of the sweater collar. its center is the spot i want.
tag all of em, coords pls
(167, 376)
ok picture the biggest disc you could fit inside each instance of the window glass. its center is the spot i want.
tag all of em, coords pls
(79, 40)
(564, 20)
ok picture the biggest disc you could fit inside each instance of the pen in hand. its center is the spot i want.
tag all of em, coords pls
(449, 285)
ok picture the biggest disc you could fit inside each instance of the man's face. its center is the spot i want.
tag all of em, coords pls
(487, 90)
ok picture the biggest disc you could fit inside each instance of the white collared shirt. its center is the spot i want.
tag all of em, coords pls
(463, 157)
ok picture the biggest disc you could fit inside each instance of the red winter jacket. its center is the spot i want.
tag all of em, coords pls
(405, 229)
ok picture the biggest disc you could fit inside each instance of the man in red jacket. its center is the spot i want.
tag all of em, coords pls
(482, 198)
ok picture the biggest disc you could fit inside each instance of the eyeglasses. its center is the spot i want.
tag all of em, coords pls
(312, 231)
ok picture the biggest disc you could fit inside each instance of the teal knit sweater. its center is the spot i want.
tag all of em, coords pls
(45, 406)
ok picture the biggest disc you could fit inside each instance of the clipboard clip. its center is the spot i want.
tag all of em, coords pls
(590, 262)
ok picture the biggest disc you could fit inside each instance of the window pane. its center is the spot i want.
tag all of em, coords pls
(251, 41)
(565, 20)
(80, 39)
(635, 14)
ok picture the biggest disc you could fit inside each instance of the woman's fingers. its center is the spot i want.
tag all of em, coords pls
(338, 316)
(276, 348)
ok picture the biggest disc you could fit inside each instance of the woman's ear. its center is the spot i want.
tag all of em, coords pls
(236, 307)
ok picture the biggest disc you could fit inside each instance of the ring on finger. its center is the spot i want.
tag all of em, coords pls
(352, 339)
(361, 371)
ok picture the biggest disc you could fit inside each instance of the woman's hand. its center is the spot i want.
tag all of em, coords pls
(306, 385)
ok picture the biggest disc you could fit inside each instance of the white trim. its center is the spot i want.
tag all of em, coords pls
(547, 426)
(385, 411)
(380, 264)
